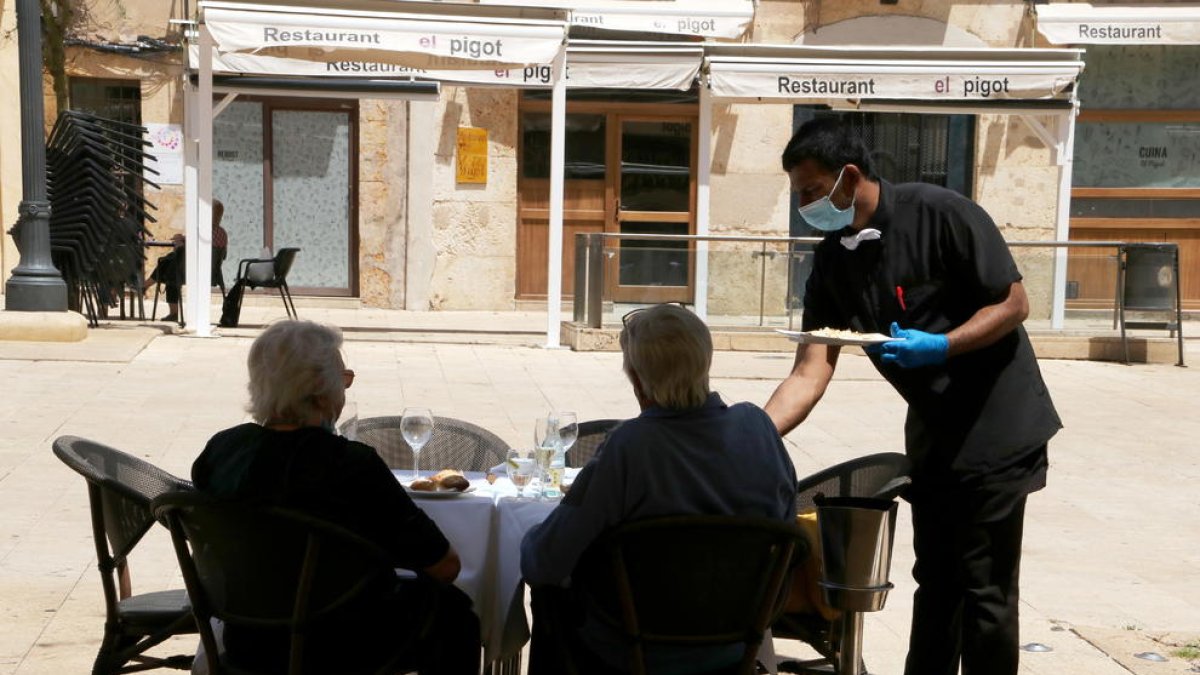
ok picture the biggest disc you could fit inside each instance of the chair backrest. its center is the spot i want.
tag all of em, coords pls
(691, 580)
(883, 475)
(283, 263)
(591, 434)
(120, 490)
(454, 444)
(256, 566)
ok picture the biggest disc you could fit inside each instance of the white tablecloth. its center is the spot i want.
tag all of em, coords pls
(486, 527)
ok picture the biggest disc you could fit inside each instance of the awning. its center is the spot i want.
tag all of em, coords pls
(590, 64)
(1083, 23)
(415, 34)
(822, 74)
(704, 18)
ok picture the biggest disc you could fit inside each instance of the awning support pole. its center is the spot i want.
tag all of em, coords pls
(223, 104)
(703, 197)
(199, 234)
(1062, 232)
(558, 118)
(1054, 141)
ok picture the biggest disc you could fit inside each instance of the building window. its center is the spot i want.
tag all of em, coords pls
(119, 100)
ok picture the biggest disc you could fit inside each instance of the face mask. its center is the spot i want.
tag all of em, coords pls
(823, 215)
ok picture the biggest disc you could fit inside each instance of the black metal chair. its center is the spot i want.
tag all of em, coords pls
(591, 434)
(454, 444)
(687, 581)
(882, 476)
(287, 574)
(120, 490)
(177, 269)
(281, 266)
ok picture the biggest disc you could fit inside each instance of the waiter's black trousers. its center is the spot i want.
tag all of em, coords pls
(968, 562)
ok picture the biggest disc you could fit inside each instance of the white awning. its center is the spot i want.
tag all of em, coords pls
(590, 64)
(416, 34)
(704, 18)
(822, 74)
(1078, 23)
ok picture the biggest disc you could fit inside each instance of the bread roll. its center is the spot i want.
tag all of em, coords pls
(454, 482)
(423, 484)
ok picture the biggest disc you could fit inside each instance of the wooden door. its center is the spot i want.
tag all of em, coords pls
(653, 193)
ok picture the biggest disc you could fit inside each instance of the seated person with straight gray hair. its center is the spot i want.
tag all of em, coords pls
(291, 457)
(687, 453)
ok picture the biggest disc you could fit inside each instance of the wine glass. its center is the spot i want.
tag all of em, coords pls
(416, 426)
(521, 466)
(347, 422)
(568, 429)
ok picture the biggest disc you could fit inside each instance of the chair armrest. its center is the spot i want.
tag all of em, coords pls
(244, 265)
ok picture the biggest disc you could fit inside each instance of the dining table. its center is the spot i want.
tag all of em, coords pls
(485, 524)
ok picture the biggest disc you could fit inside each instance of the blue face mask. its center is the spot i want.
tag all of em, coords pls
(823, 215)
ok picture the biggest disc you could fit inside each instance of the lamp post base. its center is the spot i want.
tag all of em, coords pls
(24, 326)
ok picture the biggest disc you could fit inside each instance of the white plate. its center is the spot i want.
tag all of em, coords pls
(860, 339)
(436, 494)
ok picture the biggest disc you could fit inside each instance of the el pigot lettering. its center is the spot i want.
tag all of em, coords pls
(467, 46)
(974, 87)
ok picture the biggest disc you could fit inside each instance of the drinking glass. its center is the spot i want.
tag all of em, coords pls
(568, 429)
(347, 422)
(549, 454)
(521, 467)
(416, 426)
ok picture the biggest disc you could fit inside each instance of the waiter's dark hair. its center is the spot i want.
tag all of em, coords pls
(830, 144)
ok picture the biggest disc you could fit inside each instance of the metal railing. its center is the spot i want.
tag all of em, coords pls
(718, 263)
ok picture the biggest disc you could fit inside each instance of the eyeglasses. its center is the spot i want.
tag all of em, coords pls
(347, 378)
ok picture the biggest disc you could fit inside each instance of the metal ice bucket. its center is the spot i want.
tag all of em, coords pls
(856, 550)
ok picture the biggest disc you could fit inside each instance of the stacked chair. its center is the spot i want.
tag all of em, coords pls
(95, 175)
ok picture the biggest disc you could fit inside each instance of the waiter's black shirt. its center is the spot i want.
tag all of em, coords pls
(981, 414)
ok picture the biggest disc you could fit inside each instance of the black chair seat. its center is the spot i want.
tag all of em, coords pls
(155, 607)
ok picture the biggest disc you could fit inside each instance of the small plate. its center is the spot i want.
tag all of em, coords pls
(860, 339)
(436, 494)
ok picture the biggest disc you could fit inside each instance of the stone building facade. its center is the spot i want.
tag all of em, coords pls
(406, 233)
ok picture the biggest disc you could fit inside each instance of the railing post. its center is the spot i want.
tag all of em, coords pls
(595, 279)
(579, 304)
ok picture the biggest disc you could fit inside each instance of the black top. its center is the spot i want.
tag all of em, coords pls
(939, 260)
(324, 475)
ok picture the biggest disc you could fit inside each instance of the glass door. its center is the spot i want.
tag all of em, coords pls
(654, 194)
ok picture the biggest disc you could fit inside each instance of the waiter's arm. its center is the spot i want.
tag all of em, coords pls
(991, 322)
(795, 397)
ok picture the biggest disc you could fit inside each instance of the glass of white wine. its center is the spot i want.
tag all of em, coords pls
(417, 427)
(521, 468)
(549, 455)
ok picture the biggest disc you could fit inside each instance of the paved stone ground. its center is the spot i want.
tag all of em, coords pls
(1112, 553)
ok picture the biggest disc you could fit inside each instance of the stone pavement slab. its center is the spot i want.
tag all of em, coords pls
(1113, 543)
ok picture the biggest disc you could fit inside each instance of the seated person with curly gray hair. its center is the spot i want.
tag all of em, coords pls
(291, 457)
(687, 453)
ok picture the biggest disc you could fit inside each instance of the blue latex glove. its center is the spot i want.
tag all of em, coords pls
(914, 348)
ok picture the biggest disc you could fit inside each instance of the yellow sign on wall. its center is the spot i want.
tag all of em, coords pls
(472, 155)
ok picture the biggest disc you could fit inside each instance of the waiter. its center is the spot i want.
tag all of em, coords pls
(929, 267)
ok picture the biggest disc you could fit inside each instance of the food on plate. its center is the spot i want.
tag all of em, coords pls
(458, 483)
(491, 478)
(837, 333)
(423, 485)
(449, 479)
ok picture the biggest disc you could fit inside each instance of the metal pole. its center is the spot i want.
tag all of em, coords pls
(580, 292)
(595, 280)
(35, 284)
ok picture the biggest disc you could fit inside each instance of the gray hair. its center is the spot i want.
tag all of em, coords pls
(294, 366)
(670, 351)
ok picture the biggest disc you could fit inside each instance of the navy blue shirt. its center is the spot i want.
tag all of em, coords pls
(939, 260)
(712, 460)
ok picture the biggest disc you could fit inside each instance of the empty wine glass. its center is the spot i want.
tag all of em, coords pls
(347, 423)
(568, 429)
(416, 426)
